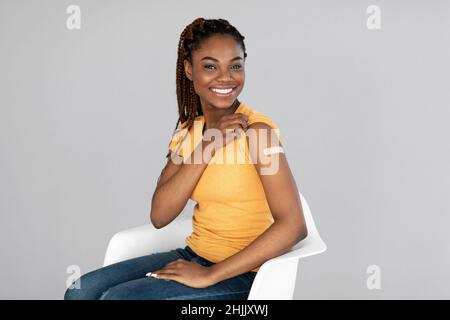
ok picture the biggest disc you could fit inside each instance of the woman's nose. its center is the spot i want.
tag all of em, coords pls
(225, 75)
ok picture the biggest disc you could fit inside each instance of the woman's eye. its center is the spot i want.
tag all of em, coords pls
(211, 67)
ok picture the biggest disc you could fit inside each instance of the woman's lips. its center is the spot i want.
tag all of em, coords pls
(223, 93)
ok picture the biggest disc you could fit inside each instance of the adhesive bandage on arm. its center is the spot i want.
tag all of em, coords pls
(273, 150)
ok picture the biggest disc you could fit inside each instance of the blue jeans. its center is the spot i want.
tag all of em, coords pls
(127, 280)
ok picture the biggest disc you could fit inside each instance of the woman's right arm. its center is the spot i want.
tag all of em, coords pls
(174, 188)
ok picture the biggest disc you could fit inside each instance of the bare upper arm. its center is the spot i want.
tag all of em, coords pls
(169, 170)
(276, 177)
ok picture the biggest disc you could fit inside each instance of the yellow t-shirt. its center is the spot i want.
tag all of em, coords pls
(232, 208)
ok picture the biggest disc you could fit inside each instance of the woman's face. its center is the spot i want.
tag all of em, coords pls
(218, 64)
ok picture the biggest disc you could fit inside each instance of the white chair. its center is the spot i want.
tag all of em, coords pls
(275, 279)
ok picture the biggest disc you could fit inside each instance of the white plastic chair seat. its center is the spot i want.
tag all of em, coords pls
(275, 279)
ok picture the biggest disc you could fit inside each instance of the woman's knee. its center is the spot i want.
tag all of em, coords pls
(74, 292)
(84, 288)
(141, 289)
(114, 293)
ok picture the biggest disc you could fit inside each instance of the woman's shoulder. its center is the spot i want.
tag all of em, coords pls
(255, 116)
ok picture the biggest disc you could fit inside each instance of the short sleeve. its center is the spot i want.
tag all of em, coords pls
(259, 117)
(176, 141)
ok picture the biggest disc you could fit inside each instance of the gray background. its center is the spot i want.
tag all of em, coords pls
(86, 116)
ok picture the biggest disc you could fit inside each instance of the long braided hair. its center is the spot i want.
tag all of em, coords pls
(193, 35)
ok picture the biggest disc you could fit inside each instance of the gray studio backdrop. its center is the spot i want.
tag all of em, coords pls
(86, 115)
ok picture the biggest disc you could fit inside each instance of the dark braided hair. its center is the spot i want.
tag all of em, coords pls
(191, 38)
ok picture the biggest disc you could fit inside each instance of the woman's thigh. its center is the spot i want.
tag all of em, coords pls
(149, 288)
(93, 284)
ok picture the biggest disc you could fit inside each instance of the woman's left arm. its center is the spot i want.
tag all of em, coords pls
(282, 195)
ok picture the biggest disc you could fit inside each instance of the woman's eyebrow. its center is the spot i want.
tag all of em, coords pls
(214, 59)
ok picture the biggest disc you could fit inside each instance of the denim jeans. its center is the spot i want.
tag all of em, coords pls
(127, 280)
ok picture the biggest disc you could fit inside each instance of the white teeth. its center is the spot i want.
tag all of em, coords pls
(222, 91)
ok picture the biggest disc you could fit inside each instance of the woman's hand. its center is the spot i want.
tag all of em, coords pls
(231, 126)
(186, 272)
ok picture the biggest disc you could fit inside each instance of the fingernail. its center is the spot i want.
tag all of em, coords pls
(154, 275)
(149, 274)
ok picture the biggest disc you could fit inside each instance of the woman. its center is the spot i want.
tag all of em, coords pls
(247, 212)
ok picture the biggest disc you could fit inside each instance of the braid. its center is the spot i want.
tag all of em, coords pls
(200, 29)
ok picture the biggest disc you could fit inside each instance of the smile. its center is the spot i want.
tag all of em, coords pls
(223, 92)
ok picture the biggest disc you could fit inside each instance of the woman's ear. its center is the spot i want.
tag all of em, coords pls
(188, 69)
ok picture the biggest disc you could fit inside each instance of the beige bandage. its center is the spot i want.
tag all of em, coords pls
(273, 150)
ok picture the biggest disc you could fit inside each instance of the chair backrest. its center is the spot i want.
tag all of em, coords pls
(310, 224)
(276, 278)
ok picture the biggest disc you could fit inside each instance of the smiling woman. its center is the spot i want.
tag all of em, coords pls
(210, 70)
(243, 217)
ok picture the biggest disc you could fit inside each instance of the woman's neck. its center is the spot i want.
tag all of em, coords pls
(212, 115)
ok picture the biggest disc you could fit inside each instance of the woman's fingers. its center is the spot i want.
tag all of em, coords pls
(231, 123)
(235, 115)
(168, 267)
(232, 126)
